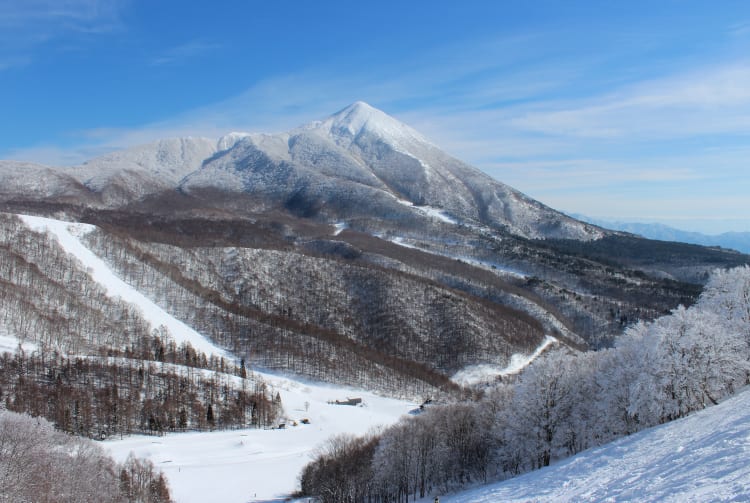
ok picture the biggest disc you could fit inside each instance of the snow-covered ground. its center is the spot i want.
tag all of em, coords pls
(260, 465)
(430, 211)
(69, 236)
(340, 227)
(237, 465)
(485, 373)
(700, 458)
(9, 343)
(492, 267)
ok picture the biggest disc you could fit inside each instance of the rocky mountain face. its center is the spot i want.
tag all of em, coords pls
(349, 249)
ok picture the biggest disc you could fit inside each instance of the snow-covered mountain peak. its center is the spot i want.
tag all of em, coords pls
(229, 140)
(360, 118)
(144, 169)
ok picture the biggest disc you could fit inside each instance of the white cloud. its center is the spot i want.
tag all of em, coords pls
(592, 173)
(710, 100)
(25, 25)
(185, 52)
(740, 29)
(77, 14)
(518, 117)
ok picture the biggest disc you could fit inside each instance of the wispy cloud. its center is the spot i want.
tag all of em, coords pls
(740, 29)
(13, 62)
(83, 15)
(534, 122)
(710, 100)
(185, 52)
(597, 173)
(475, 111)
(441, 90)
(699, 184)
(26, 25)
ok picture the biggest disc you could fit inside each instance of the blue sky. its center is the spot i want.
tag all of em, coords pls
(628, 110)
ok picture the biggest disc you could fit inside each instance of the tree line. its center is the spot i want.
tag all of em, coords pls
(124, 393)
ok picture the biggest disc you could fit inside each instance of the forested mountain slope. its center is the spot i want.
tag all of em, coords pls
(350, 249)
(90, 359)
(564, 403)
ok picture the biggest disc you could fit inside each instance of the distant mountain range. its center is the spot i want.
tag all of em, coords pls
(739, 241)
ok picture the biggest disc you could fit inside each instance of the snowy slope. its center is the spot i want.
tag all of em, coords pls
(703, 457)
(487, 373)
(237, 465)
(358, 118)
(143, 169)
(356, 163)
(259, 465)
(37, 181)
(9, 343)
(68, 235)
(415, 170)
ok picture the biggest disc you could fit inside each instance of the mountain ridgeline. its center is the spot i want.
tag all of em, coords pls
(349, 250)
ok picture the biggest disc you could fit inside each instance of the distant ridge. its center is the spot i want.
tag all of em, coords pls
(739, 241)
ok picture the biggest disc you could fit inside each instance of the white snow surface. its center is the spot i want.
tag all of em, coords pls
(260, 465)
(493, 267)
(343, 154)
(485, 373)
(68, 235)
(430, 211)
(163, 163)
(229, 140)
(340, 227)
(359, 117)
(9, 344)
(703, 457)
(236, 465)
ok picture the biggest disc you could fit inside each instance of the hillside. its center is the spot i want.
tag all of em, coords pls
(560, 405)
(350, 250)
(261, 465)
(699, 458)
(195, 285)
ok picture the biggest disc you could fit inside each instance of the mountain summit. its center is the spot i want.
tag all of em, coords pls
(360, 118)
(358, 164)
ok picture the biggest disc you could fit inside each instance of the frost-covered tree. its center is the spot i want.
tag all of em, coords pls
(565, 402)
(343, 470)
(690, 359)
(541, 409)
(140, 483)
(727, 294)
(42, 465)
